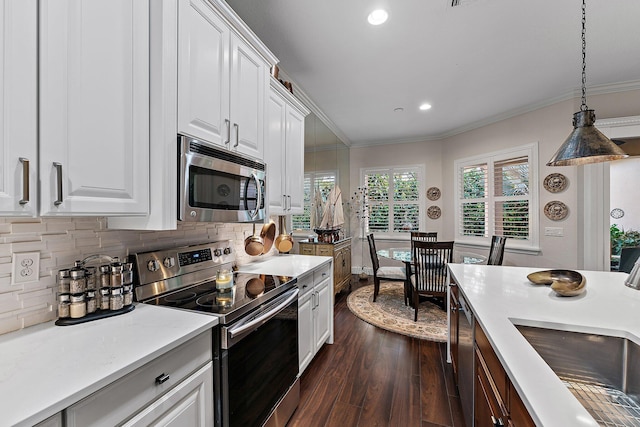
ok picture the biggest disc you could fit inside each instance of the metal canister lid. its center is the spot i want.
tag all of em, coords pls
(91, 294)
(63, 274)
(77, 298)
(64, 298)
(127, 288)
(117, 268)
(116, 291)
(91, 270)
(76, 273)
(105, 269)
(105, 292)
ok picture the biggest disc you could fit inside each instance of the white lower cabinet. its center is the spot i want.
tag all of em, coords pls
(315, 313)
(174, 389)
(190, 403)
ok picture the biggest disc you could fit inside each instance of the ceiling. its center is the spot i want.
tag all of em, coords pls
(475, 63)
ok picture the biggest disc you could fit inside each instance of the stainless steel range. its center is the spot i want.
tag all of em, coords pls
(255, 346)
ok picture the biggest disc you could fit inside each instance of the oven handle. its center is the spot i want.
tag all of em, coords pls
(239, 329)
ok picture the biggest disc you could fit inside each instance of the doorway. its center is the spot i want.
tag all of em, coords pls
(598, 184)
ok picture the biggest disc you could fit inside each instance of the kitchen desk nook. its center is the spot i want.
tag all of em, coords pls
(500, 376)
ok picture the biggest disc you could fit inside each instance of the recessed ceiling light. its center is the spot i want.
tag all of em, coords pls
(377, 17)
(398, 110)
(425, 107)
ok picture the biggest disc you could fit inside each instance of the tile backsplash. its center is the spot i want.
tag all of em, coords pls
(61, 241)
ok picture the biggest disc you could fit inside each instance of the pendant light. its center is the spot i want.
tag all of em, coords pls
(586, 144)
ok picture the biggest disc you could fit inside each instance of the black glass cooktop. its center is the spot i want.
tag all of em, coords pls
(248, 291)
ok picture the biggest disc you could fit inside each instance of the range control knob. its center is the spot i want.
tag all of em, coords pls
(217, 252)
(169, 262)
(227, 251)
(153, 265)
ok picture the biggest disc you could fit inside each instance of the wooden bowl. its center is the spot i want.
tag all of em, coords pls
(567, 283)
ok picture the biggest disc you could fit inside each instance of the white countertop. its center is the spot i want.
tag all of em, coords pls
(45, 368)
(502, 296)
(284, 264)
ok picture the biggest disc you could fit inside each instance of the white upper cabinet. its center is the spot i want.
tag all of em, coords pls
(18, 109)
(222, 81)
(284, 153)
(94, 107)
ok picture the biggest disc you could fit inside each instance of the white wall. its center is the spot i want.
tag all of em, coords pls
(549, 126)
(625, 178)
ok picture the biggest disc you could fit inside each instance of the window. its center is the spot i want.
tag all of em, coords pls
(497, 194)
(315, 183)
(393, 198)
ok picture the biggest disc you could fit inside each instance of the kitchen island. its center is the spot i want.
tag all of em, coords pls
(502, 297)
(46, 368)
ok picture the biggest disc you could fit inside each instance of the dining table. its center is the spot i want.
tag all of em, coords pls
(404, 254)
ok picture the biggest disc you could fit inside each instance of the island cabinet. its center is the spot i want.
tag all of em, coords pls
(175, 389)
(495, 401)
(341, 253)
(315, 313)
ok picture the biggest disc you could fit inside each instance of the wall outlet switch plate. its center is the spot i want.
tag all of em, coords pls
(554, 231)
(25, 267)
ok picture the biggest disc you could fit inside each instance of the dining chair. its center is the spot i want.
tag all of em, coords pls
(396, 274)
(424, 236)
(429, 276)
(496, 251)
(628, 257)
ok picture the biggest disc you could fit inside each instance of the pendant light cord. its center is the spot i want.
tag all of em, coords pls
(583, 107)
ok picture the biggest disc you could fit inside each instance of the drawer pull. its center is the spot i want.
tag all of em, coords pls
(162, 378)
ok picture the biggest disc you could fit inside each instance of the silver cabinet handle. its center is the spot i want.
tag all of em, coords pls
(289, 198)
(228, 123)
(58, 167)
(25, 181)
(237, 128)
(162, 378)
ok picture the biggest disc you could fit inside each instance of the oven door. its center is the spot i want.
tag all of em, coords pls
(259, 361)
(219, 186)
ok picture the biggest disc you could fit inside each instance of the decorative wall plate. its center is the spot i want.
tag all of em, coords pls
(617, 213)
(433, 193)
(433, 212)
(556, 210)
(555, 182)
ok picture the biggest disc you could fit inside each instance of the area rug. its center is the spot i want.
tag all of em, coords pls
(390, 313)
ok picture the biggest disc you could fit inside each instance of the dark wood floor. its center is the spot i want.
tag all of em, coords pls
(371, 377)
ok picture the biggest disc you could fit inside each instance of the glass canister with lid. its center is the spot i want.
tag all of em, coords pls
(78, 281)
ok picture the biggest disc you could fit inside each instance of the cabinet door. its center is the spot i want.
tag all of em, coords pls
(189, 403)
(274, 154)
(305, 330)
(294, 188)
(94, 107)
(203, 73)
(248, 84)
(453, 328)
(18, 107)
(322, 313)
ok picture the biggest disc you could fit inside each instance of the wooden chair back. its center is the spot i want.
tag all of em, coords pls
(430, 261)
(496, 252)
(375, 263)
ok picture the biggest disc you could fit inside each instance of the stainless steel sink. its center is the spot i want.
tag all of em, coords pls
(602, 372)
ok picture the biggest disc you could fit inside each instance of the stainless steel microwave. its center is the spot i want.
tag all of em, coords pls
(217, 185)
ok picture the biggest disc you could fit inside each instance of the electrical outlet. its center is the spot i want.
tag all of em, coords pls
(25, 267)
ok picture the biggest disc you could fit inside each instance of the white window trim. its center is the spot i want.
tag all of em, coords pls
(532, 246)
(314, 175)
(393, 235)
